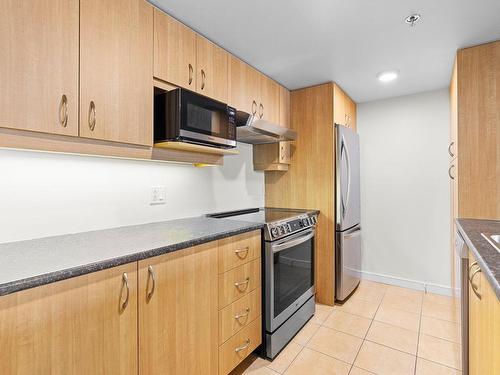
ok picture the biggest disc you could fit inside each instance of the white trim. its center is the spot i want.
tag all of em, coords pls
(411, 284)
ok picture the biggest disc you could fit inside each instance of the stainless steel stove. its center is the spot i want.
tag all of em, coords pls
(288, 271)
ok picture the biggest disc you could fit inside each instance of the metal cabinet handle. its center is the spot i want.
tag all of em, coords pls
(241, 251)
(242, 315)
(63, 111)
(239, 283)
(474, 287)
(190, 68)
(152, 277)
(202, 79)
(261, 110)
(470, 268)
(282, 152)
(449, 171)
(449, 149)
(92, 116)
(239, 349)
(125, 284)
(254, 107)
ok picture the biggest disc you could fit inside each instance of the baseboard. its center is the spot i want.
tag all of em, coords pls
(408, 283)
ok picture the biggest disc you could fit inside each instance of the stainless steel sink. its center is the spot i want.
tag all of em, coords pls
(493, 239)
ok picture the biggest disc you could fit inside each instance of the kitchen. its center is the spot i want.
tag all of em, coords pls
(140, 142)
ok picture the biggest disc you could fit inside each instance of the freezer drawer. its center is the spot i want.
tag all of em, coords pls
(348, 262)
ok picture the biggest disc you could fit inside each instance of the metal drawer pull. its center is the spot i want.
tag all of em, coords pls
(239, 349)
(151, 276)
(124, 304)
(239, 283)
(242, 315)
(474, 287)
(449, 171)
(240, 251)
(261, 110)
(470, 268)
(254, 107)
(449, 149)
(282, 152)
(92, 116)
(202, 79)
(63, 111)
(190, 68)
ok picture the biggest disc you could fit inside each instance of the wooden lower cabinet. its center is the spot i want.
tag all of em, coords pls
(484, 324)
(74, 326)
(178, 323)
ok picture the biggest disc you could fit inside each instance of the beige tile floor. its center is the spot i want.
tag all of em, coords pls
(382, 329)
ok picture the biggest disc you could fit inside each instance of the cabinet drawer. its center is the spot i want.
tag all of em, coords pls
(238, 282)
(238, 250)
(239, 314)
(238, 347)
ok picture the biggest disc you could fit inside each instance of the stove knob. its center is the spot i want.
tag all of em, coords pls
(284, 229)
(314, 221)
(289, 228)
(274, 232)
(305, 223)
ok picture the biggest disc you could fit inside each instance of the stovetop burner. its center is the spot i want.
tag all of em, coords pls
(279, 222)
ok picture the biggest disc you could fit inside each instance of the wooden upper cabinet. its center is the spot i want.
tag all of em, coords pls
(178, 323)
(116, 59)
(211, 69)
(284, 107)
(269, 105)
(244, 86)
(344, 108)
(174, 51)
(39, 65)
(74, 326)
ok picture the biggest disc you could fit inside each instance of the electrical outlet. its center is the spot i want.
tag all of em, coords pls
(158, 195)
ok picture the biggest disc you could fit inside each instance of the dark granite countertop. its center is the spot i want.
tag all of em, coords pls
(488, 258)
(27, 264)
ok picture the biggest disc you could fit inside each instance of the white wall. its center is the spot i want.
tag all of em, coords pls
(405, 190)
(44, 194)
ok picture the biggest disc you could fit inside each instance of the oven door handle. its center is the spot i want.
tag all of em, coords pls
(292, 242)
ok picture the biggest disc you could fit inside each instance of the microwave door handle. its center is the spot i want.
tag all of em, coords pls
(291, 243)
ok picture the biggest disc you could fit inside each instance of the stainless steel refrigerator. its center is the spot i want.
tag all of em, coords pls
(348, 213)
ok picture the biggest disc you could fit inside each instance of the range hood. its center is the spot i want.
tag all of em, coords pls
(251, 129)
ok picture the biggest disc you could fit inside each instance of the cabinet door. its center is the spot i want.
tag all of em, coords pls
(269, 99)
(39, 65)
(75, 326)
(116, 58)
(339, 106)
(244, 86)
(474, 323)
(174, 51)
(284, 107)
(178, 324)
(211, 69)
(351, 113)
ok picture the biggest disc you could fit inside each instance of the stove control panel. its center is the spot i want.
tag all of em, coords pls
(280, 229)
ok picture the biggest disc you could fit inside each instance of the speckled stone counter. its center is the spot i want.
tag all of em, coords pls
(27, 264)
(488, 258)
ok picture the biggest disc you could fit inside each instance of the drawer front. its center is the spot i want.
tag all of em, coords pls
(239, 314)
(238, 347)
(238, 250)
(238, 282)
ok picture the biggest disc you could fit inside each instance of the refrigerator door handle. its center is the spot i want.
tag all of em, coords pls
(345, 203)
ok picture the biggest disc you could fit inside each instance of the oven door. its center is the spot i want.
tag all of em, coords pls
(289, 276)
(206, 120)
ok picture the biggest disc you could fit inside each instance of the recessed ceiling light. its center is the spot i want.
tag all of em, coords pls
(412, 19)
(388, 76)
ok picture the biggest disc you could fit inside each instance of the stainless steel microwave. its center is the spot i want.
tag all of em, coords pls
(182, 115)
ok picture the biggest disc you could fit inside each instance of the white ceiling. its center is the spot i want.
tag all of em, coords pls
(300, 43)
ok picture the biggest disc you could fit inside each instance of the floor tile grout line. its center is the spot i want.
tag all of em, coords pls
(418, 336)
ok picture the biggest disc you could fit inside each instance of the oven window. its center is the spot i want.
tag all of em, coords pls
(293, 274)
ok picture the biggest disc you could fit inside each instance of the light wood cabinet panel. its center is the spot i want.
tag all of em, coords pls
(240, 346)
(269, 106)
(244, 86)
(116, 94)
(174, 51)
(178, 325)
(284, 107)
(344, 108)
(239, 314)
(39, 65)
(211, 69)
(484, 326)
(478, 80)
(238, 250)
(238, 282)
(75, 326)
